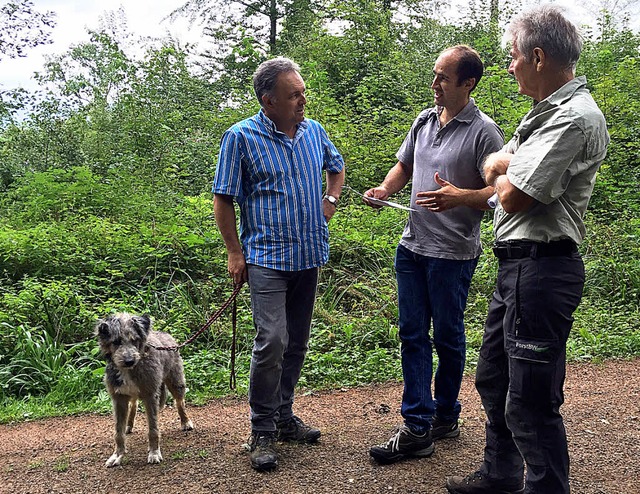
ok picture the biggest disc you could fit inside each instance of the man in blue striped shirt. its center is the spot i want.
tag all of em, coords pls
(272, 166)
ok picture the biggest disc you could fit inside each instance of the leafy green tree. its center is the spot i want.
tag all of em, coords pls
(170, 120)
(91, 72)
(610, 62)
(229, 21)
(22, 27)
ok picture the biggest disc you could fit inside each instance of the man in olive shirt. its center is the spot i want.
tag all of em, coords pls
(544, 178)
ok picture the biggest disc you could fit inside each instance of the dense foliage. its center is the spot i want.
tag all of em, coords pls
(104, 192)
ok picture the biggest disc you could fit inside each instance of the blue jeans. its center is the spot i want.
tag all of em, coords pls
(521, 371)
(431, 291)
(282, 305)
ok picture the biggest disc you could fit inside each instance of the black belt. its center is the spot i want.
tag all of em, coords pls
(520, 249)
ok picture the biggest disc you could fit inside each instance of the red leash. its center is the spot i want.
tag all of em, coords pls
(207, 325)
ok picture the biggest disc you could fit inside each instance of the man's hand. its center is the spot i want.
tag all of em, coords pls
(328, 210)
(237, 267)
(377, 193)
(447, 197)
(495, 165)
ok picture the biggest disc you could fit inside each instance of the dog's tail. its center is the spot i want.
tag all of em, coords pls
(163, 396)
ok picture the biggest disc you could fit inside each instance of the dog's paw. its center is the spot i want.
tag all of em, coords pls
(154, 456)
(114, 460)
(188, 426)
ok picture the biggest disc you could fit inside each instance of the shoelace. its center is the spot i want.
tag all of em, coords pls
(260, 440)
(395, 440)
(473, 477)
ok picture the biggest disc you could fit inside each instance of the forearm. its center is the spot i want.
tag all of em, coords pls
(511, 198)
(448, 196)
(397, 178)
(477, 198)
(495, 165)
(225, 217)
(226, 220)
(335, 181)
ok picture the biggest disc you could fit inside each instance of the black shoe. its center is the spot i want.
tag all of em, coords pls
(295, 430)
(478, 483)
(402, 444)
(444, 430)
(263, 455)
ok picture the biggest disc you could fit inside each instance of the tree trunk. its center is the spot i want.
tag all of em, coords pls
(273, 18)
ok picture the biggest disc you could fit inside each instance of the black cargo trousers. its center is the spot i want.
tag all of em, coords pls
(521, 369)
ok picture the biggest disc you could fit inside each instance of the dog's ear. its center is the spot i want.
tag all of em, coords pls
(144, 324)
(102, 329)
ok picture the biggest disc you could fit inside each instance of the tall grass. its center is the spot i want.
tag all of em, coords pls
(354, 335)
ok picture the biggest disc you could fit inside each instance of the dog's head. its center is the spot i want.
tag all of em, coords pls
(122, 338)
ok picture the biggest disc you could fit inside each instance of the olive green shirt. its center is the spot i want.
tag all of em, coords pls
(557, 150)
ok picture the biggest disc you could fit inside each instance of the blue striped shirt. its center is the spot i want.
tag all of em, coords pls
(277, 182)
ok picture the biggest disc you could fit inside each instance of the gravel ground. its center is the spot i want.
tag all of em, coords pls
(67, 455)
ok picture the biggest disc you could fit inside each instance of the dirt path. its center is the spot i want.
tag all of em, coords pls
(67, 455)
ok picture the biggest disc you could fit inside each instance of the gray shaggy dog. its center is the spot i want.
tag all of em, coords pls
(138, 371)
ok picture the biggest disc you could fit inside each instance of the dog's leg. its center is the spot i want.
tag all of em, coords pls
(133, 409)
(187, 425)
(178, 392)
(151, 406)
(120, 410)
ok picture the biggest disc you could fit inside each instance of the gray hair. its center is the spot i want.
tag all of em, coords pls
(546, 27)
(266, 75)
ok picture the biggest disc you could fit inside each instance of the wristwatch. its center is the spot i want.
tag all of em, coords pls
(333, 200)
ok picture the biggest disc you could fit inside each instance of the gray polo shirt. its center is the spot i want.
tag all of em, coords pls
(557, 150)
(456, 151)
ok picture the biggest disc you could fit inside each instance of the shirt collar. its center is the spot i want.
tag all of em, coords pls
(465, 115)
(270, 125)
(566, 92)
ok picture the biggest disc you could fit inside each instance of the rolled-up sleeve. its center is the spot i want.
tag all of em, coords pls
(542, 165)
(333, 161)
(228, 176)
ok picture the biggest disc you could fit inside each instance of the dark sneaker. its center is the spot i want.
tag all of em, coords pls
(402, 444)
(263, 455)
(444, 430)
(295, 430)
(478, 483)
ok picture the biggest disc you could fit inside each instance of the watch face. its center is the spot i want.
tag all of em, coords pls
(332, 200)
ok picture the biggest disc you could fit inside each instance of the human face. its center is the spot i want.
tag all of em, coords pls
(286, 104)
(448, 92)
(524, 71)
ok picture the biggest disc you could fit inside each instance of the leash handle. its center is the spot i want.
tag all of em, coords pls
(234, 324)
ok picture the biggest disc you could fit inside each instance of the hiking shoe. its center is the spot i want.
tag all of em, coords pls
(263, 455)
(295, 430)
(478, 483)
(402, 444)
(444, 430)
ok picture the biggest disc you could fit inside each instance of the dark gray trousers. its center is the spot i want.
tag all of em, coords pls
(282, 306)
(521, 370)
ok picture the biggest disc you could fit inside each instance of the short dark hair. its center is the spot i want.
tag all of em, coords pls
(546, 27)
(266, 75)
(469, 64)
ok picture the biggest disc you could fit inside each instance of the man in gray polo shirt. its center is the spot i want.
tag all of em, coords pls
(439, 249)
(544, 179)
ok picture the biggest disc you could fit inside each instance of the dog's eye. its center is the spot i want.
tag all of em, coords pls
(117, 342)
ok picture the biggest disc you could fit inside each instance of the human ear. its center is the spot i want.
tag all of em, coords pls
(267, 101)
(538, 58)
